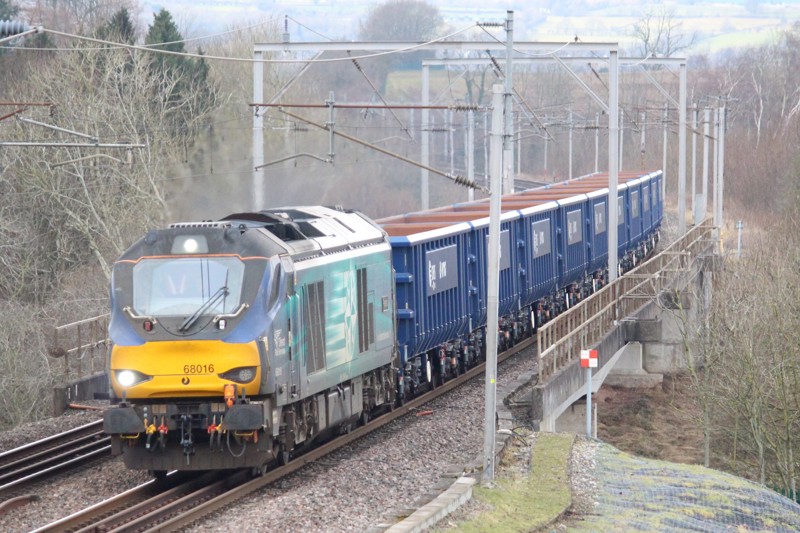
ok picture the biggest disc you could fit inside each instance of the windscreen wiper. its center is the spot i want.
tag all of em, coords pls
(213, 299)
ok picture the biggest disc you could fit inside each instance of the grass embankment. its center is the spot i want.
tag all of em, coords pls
(523, 503)
(635, 494)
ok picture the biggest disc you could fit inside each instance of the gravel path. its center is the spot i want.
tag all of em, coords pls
(376, 479)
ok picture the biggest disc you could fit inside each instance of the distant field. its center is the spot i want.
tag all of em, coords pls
(719, 28)
(403, 83)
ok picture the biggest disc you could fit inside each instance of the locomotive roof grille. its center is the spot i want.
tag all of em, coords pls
(209, 224)
(277, 223)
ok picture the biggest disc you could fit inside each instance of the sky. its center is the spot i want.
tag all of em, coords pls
(717, 24)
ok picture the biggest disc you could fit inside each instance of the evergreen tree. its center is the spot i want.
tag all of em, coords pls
(181, 75)
(163, 34)
(119, 28)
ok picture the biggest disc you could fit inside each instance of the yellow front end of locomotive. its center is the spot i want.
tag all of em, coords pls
(176, 369)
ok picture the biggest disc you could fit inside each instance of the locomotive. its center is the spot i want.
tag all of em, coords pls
(241, 342)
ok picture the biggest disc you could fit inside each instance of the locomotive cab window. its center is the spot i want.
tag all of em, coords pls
(176, 287)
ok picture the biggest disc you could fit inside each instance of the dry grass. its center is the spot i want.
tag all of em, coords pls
(660, 423)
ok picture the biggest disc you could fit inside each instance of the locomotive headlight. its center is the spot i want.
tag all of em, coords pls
(245, 374)
(128, 378)
(190, 244)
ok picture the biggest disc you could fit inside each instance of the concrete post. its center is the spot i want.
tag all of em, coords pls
(682, 152)
(613, 168)
(492, 288)
(258, 133)
(425, 138)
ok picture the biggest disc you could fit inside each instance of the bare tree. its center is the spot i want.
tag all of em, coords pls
(755, 381)
(79, 16)
(77, 204)
(400, 20)
(658, 32)
(26, 376)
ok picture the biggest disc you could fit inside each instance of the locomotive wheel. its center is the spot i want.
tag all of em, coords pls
(258, 471)
(429, 373)
(283, 456)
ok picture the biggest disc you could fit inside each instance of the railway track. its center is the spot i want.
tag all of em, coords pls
(53, 454)
(181, 499)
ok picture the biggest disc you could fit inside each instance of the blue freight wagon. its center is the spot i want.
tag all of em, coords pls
(553, 253)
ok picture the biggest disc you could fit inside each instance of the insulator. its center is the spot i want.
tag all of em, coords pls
(464, 107)
(12, 27)
(462, 180)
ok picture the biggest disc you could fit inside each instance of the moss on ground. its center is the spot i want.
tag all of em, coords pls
(523, 503)
(637, 494)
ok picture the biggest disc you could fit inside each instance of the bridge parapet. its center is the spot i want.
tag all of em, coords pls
(82, 345)
(587, 323)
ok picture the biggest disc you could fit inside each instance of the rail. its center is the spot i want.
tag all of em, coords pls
(182, 498)
(561, 340)
(82, 344)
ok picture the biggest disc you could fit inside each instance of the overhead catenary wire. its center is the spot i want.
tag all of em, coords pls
(253, 60)
(308, 28)
(453, 107)
(459, 180)
(498, 70)
(152, 45)
(381, 98)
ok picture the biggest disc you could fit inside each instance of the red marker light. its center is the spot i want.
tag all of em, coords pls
(147, 325)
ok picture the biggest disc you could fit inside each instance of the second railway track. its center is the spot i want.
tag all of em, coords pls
(53, 454)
